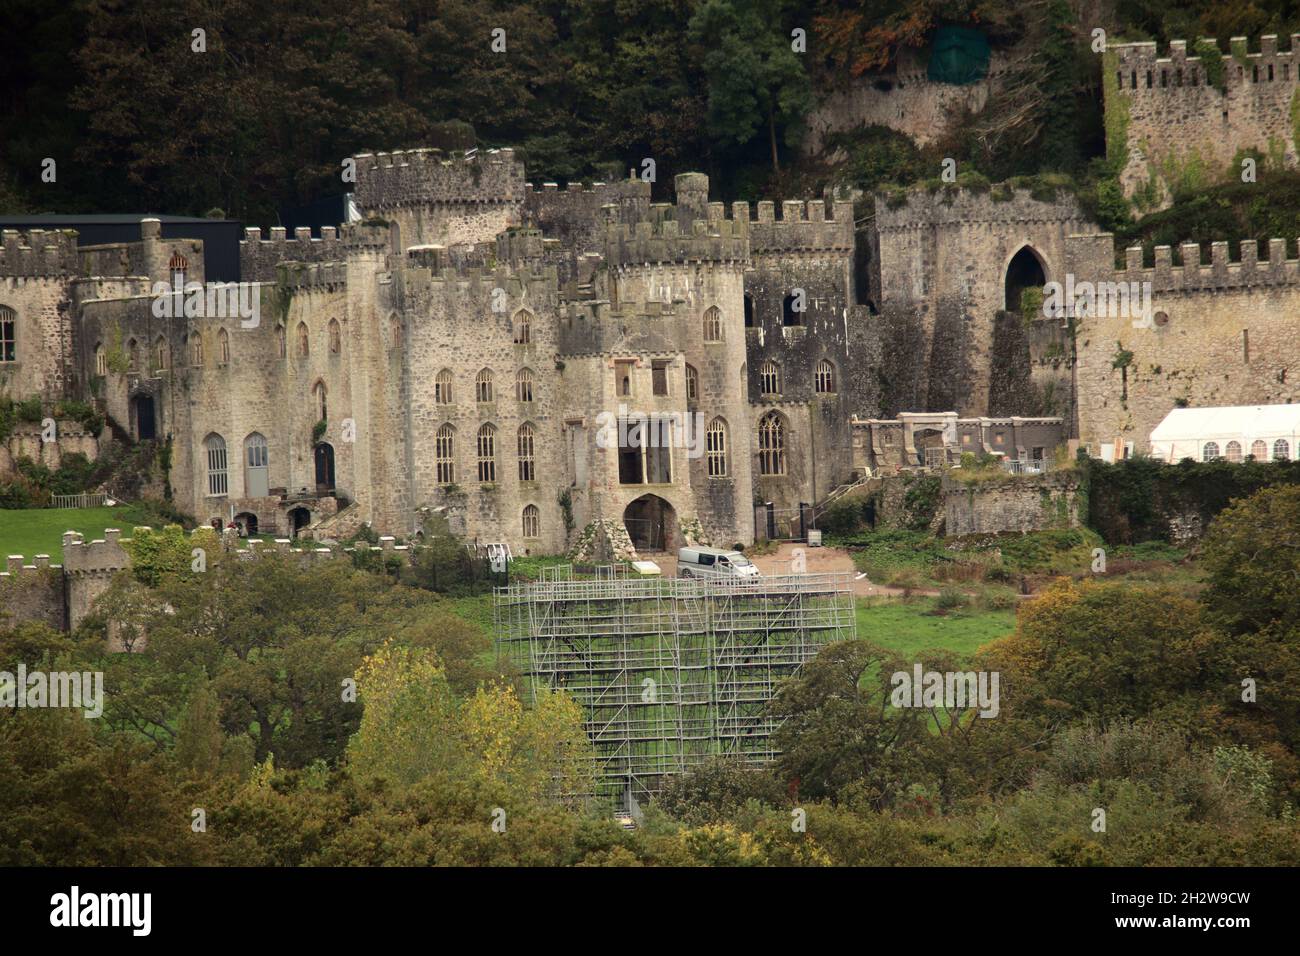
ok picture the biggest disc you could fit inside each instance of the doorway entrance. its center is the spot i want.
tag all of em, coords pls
(651, 523)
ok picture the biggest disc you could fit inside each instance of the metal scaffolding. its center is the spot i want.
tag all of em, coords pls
(669, 671)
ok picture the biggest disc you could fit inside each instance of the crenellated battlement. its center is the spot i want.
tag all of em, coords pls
(39, 253)
(1140, 67)
(108, 555)
(923, 208)
(427, 176)
(312, 275)
(258, 257)
(667, 241)
(1197, 275)
(17, 564)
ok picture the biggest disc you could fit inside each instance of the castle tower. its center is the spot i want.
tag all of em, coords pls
(442, 199)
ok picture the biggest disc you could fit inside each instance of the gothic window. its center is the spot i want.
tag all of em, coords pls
(715, 448)
(713, 324)
(825, 377)
(527, 461)
(101, 360)
(8, 334)
(769, 378)
(771, 445)
(160, 354)
(223, 344)
(524, 385)
(318, 393)
(487, 452)
(215, 446)
(692, 384)
(304, 347)
(196, 348)
(280, 344)
(483, 386)
(442, 387)
(532, 522)
(523, 327)
(132, 356)
(336, 337)
(444, 453)
(394, 332)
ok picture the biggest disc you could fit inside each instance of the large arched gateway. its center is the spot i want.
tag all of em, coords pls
(651, 523)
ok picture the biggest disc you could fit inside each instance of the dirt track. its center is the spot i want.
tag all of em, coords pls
(817, 560)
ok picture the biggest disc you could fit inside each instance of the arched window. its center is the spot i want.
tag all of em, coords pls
(713, 324)
(483, 386)
(318, 393)
(771, 445)
(442, 387)
(1210, 451)
(532, 521)
(1232, 451)
(196, 348)
(793, 308)
(223, 346)
(218, 483)
(692, 384)
(487, 452)
(161, 354)
(304, 346)
(825, 377)
(1259, 449)
(444, 455)
(769, 378)
(523, 324)
(133, 356)
(715, 448)
(336, 337)
(1281, 450)
(280, 344)
(256, 460)
(8, 334)
(749, 311)
(394, 332)
(101, 360)
(527, 462)
(524, 385)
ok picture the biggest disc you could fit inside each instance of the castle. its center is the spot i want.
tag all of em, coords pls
(554, 367)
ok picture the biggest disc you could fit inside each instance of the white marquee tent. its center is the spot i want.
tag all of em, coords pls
(1230, 432)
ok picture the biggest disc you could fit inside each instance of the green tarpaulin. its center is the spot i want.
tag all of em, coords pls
(958, 55)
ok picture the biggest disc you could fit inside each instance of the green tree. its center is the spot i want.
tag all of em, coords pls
(755, 79)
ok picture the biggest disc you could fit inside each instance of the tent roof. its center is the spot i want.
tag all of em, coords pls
(1257, 421)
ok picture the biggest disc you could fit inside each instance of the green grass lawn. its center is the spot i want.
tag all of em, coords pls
(909, 628)
(33, 531)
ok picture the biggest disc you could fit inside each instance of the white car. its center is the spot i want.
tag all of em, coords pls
(714, 563)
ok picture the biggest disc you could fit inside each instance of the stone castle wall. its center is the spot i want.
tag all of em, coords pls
(1167, 120)
(1016, 504)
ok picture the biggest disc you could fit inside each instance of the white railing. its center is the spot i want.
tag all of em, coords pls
(83, 500)
(1025, 467)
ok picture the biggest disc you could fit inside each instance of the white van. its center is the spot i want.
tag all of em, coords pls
(714, 563)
